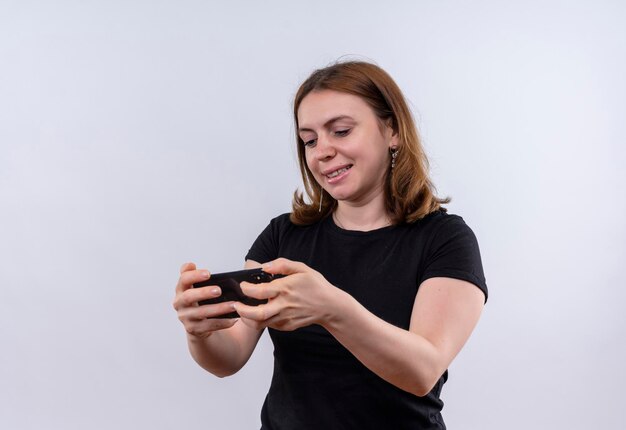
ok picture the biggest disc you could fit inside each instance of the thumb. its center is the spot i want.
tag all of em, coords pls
(187, 267)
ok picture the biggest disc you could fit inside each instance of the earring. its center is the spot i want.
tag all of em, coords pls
(321, 197)
(394, 154)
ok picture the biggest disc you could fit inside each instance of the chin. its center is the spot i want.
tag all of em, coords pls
(340, 196)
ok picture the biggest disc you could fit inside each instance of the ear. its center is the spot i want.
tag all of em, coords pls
(390, 134)
(394, 140)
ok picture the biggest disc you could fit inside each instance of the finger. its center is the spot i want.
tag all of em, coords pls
(195, 295)
(191, 277)
(213, 311)
(260, 291)
(257, 313)
(187, 267)
(191, 297)
(284, 266)
(200, 313)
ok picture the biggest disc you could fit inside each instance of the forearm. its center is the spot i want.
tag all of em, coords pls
(220, 354)
(402, 358)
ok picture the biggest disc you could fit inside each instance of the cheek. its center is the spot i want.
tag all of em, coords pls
(308, 157)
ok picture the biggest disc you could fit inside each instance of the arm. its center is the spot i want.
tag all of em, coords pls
(444, 314)
(220, 346)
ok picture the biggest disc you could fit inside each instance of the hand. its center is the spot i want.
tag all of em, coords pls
(301, 298)
(195, 317)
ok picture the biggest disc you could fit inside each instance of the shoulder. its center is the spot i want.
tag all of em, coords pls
(438, 223)
(283, 223)
(267, 244)
(277, 226)
(441, 223)
(437, 230)
(281, 226)
(282, 220)
(452, 251)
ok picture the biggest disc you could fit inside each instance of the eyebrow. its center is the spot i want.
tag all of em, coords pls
(328, 123)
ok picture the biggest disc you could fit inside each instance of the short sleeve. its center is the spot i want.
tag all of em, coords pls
(265, 247)
(453, 252)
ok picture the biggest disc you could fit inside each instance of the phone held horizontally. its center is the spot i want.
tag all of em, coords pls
(231, 291)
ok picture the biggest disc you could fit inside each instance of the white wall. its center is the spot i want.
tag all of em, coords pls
(137, 135)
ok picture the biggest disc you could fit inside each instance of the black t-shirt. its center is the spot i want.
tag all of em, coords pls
(319, 384)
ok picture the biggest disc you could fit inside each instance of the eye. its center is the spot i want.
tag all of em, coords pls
(342, 133)
(310, 143)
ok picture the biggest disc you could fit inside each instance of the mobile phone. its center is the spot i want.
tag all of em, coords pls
(231, 291)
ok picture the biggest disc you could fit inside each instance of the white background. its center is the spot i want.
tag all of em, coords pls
(137, 135)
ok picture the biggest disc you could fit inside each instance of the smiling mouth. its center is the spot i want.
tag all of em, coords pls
(338, 172)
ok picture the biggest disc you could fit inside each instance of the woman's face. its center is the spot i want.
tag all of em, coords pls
(346, 146)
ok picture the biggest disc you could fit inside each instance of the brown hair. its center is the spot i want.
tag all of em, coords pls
(409, 192)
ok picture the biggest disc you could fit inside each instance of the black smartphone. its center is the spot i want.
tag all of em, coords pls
(231, 291)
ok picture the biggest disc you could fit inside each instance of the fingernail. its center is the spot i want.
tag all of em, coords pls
(206, 274)
(267, 264)
(233, 306)
(215, 291)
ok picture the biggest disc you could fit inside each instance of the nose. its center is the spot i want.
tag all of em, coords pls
(324, 149)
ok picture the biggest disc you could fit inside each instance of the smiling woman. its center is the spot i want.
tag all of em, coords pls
(409, 193)
(347, 154)
(381, 287)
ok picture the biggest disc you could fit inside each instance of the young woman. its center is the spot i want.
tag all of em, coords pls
(382, 286)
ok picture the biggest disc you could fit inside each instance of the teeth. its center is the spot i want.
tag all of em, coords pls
(337, 172)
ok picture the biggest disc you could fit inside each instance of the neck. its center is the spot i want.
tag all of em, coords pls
(362, 217)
